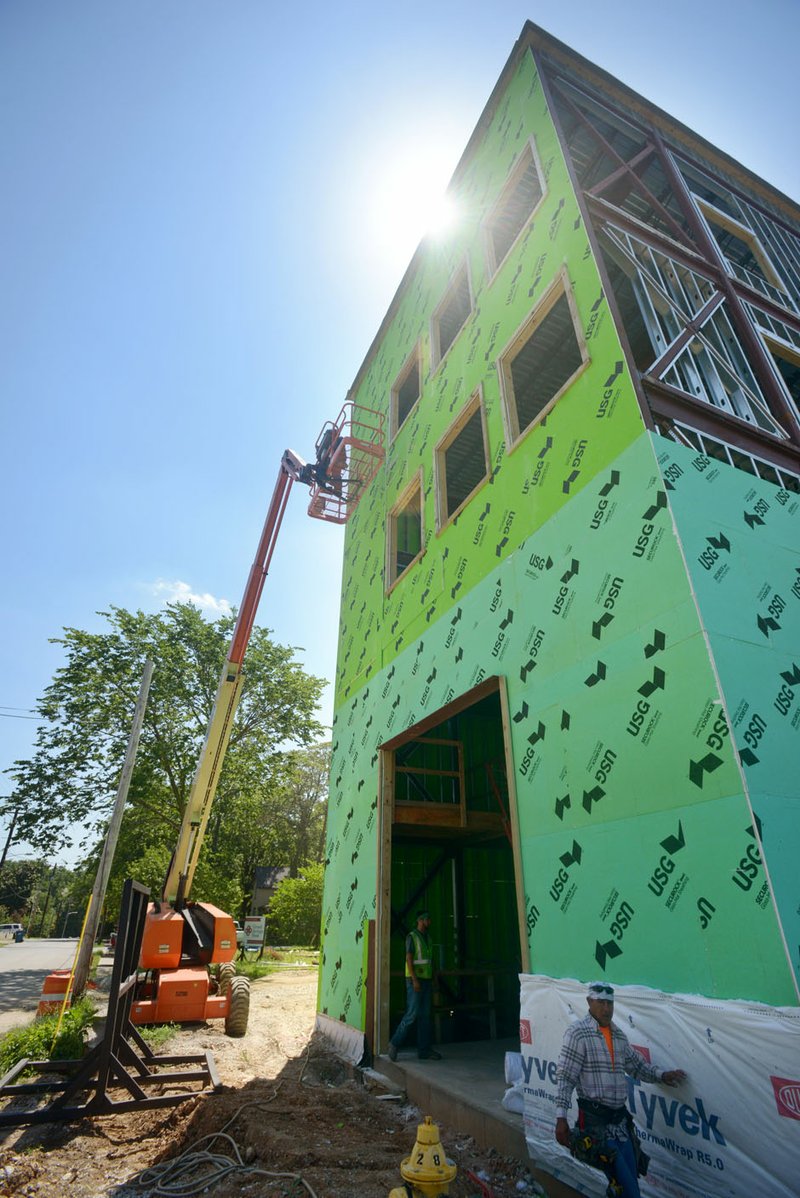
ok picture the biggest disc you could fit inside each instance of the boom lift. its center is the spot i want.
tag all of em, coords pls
(183, 938)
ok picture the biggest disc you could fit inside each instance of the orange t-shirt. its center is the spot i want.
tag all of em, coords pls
(609, 1042)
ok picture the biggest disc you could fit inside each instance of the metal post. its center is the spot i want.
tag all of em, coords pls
(112, 835)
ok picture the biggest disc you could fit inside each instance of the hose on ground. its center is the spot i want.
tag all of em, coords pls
(198, 1168)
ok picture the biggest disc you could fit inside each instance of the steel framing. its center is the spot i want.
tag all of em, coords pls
(690, 245)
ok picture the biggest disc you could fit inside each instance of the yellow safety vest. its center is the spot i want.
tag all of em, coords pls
(423, 963)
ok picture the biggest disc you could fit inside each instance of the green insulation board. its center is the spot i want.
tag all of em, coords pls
(741, 540)
(592, 421)
(632, 812)
(639, 826)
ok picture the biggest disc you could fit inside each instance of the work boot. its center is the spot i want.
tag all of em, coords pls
(431, 1055)
(391, 1052)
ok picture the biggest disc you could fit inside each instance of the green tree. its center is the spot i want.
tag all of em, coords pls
(70, 781)
(291, 820)
(295, 910)
(19, 881)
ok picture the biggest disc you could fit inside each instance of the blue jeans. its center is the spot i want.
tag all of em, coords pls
(418, 1010)
(623, 1171)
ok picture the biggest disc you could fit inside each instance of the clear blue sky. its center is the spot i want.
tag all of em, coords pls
(205, 210)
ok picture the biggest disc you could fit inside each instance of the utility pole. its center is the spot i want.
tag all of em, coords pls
(8, 838)
(47, 900)
(112, 835)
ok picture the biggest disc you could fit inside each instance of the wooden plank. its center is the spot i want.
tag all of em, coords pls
(513, 819)
(384, 893)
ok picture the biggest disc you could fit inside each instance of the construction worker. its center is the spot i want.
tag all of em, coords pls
(419, 992)
(595, 1057)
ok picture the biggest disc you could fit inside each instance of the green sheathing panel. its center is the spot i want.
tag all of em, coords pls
(595, 418)
(562, 573)
(741, 538)
(632, 814)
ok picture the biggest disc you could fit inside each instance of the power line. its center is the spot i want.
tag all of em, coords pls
(8, 715)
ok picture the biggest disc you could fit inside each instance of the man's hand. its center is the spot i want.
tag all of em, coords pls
(416, 985)
(563, 1133)
(673, 1077)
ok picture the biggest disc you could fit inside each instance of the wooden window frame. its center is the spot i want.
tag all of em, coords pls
(778, 348)
(437, 357)
(475, 403)
(493, 265)
(414, 484)
(414, 358)
(559, 286)
(715, 216)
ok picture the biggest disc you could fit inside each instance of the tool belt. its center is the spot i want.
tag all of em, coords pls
(590, 1142)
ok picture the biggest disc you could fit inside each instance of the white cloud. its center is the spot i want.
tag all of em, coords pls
(176, 591)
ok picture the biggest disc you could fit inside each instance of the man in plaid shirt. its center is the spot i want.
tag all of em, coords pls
(595, 1057)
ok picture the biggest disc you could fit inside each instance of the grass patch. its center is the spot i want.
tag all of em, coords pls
(254, 969)
(156, 1035)
(274, 958)
(36, 1041)
(295, 954)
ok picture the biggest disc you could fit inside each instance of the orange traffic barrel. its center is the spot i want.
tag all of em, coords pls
(54, 989)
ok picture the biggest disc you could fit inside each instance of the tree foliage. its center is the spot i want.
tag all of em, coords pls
(19, 880)
(69, 783)
(295, 911)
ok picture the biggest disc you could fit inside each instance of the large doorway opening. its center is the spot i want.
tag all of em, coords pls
(449, 845)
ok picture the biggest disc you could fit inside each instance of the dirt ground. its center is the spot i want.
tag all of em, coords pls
(288, 1107)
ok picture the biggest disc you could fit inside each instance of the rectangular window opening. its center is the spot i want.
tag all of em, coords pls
(451, 315)
(405, 533)
(744, 253)
(406, 391)
(543, 359)
(518, 200)
(786, 360)
(462, 460)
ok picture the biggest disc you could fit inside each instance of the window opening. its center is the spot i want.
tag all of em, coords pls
(518, 200)
(462, 460)
(406, 390)
(786, 359)
(780, 246)
(543, 359)
(746, 257)
(405, 532)
(451, 315)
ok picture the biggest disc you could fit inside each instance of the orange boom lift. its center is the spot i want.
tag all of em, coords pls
(182, 938)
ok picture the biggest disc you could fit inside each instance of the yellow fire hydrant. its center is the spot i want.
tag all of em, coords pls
(427, 1172)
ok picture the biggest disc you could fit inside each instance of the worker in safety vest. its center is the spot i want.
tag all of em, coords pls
(419, 992)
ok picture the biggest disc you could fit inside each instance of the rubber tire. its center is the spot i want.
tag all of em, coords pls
(239, 1007)
(227, 972)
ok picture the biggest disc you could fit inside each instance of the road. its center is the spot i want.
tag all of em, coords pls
(23, 968)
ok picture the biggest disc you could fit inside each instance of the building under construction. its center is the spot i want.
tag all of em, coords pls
(567, 711)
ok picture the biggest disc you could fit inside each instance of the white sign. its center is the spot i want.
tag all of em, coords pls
(254, 927)
(732, 1128)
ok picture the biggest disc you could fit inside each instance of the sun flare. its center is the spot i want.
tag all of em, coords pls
(408, 201)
